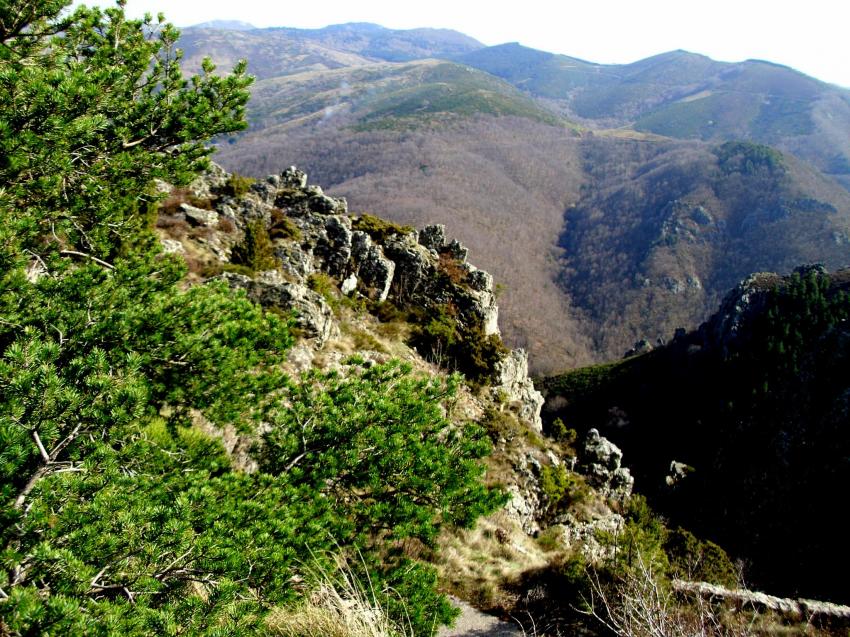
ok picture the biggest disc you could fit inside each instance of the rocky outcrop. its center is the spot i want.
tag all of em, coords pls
(524, 507)
(600, 461)
(312, 234)
(373, 271)
(312, 314)
(514, 386)
(725, 328)
(583, 536)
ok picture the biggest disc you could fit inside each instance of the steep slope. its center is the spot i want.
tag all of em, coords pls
(664, 229)
(739, 430)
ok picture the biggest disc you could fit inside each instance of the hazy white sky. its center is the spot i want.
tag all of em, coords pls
(812, 36)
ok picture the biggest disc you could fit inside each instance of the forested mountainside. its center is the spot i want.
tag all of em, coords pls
(587, 209)
(738, 430)
(662, 232)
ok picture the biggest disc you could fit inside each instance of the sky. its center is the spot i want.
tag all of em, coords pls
(811, 36)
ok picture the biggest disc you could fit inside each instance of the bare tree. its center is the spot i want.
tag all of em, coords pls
(639, 603)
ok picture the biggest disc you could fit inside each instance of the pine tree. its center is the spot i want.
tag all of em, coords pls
(118, 515)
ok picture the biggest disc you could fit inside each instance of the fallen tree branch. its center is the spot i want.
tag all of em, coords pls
(88, 256)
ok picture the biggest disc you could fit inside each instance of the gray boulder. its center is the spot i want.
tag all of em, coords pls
(374, 271)
(313, 315)
(600, 462)
(433, 237)
(334, 245)
(199, 216)
(513, 384)
(413, 268)
(293, 178)
(456, 250)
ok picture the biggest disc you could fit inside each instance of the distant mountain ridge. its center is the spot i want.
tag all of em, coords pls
(229, 25)
(689, 96)
(277, 51)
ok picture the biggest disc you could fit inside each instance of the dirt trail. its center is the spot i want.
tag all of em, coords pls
(474, 623)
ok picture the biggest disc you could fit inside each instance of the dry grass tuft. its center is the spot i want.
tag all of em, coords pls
(340, 605)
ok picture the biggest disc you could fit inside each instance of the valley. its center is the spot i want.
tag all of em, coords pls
(594, 173)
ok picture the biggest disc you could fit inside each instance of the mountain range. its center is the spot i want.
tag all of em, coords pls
(613, 203)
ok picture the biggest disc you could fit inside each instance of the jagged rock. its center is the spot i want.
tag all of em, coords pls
(433, 237)
(456, 250)
(479, 280)
(374, 270)
(293, 178)
(267, 190)
(600, 462)
(298, 199)
(485, 308)
(413, 267)
(269, 289)
(334, 245)
(199, 216)
(622, 483)
(678, 472)
(523, 506)
(512, 383)
(319, 202)
(601, 451)
(295, 260)
(748, 296)
(584, 536)
(348, 284)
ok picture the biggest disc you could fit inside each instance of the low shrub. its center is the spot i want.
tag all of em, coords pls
(282, 227)
(379, 229)
(256, 251)
(238, 185)
(562, 488)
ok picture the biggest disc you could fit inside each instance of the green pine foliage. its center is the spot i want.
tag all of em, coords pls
(256, 251)
(445, 340)
(120, 514)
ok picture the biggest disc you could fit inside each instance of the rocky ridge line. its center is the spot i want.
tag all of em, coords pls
(314, 234)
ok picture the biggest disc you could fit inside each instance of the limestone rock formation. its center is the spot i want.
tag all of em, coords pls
(601, 461)
(312, 314)
(513, 382)
(313, 235)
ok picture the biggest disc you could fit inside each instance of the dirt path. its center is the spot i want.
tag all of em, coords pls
(474, 623)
